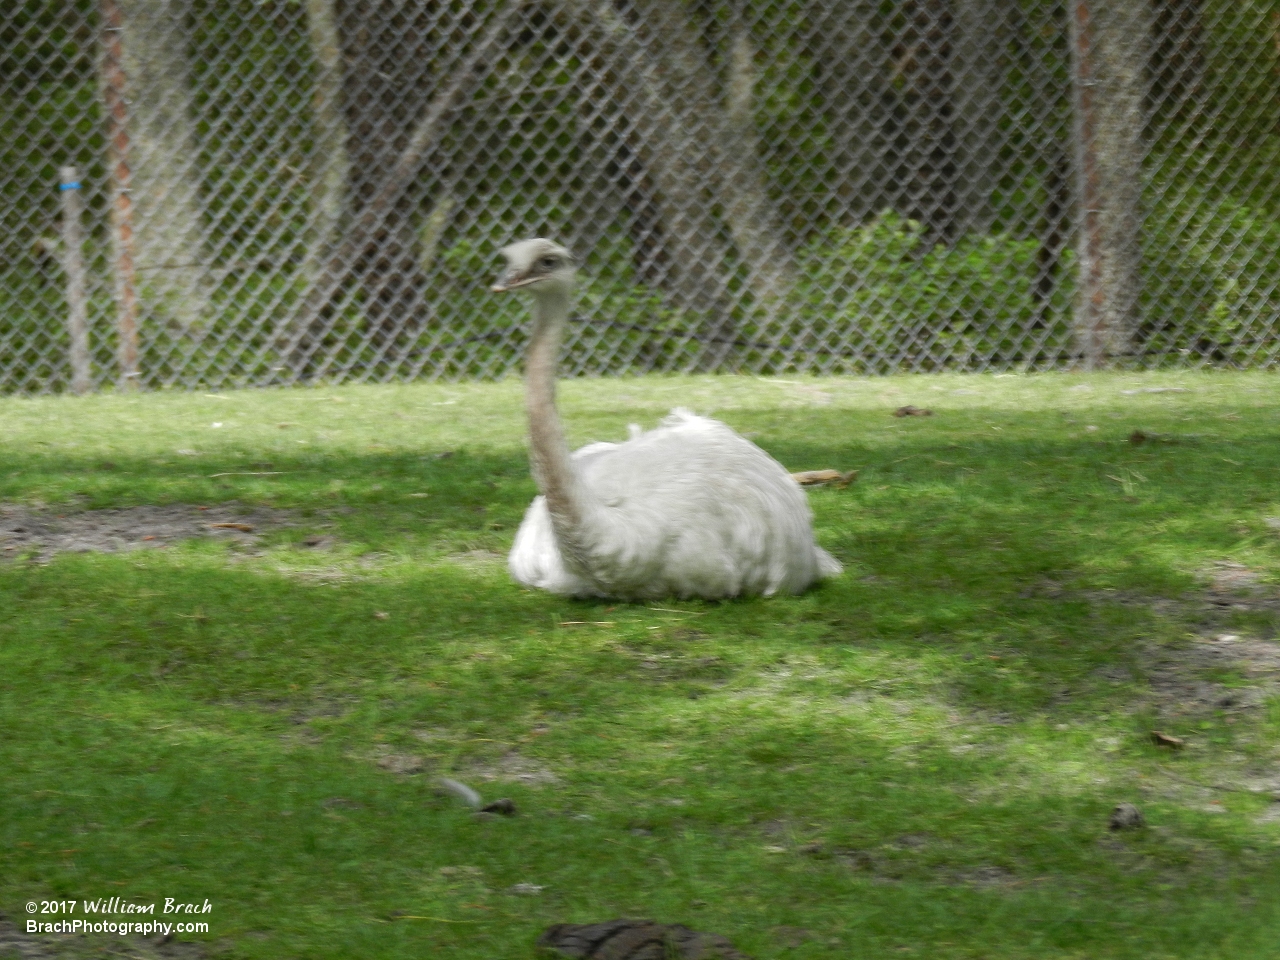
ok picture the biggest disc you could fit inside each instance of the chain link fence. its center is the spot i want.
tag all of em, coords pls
(223, 193)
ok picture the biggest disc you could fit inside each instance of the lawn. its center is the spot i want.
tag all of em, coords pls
(918, 758)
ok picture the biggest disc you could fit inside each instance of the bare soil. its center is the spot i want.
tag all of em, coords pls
(38, 535)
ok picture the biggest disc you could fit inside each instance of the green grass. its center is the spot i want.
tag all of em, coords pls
(917, 759)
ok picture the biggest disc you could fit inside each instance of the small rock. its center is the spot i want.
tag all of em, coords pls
(527, 889)
(1126, 817)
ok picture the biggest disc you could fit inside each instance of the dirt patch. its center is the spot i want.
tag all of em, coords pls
(1218, 669)
(40, 534)
(79, 946)
(403, 764)
(512, 768)
(1232, 580)
(1186, 681)
(477, 560)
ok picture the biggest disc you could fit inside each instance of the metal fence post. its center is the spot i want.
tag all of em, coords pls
(73, 261)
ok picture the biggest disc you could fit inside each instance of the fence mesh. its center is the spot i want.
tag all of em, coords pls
(274, 191)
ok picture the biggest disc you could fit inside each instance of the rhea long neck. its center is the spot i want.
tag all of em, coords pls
(553, 470)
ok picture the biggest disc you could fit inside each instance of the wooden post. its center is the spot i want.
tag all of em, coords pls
(73, 263)
(117, 112)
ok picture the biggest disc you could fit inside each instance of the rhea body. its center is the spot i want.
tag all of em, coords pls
(689, 509)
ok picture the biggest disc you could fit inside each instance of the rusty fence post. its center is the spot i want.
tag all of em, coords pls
(1108, 57)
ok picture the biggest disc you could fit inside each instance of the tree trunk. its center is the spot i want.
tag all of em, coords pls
(396, 115)
(679, 160)
(1109, 40)
(853, 68)
(330, 166)
(927, 143)
(980, 31)
(752, 217)
(652, 64)
(1044, 124)
(168, 231)
(1177, 61)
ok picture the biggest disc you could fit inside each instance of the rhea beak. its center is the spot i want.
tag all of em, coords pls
(512, 280)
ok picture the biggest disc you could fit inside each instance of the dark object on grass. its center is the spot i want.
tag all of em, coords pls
(1137, 438)
(1164, 740)
(503, 806)
(635, 940)
(1126, 817)
(910, 411)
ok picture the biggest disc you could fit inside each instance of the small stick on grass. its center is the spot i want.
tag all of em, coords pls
(249, 473)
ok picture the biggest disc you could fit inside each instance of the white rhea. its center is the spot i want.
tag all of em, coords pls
(690, 509)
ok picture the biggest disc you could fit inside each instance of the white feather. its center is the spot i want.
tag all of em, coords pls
(690, 509)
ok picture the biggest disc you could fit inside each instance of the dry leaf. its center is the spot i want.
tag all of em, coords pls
(1164, 740)
(812, 478)
(242, 527)
(809, 477)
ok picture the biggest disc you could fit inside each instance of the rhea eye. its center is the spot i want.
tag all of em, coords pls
(549, 262)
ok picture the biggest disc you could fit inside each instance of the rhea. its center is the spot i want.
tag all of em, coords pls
(690, 509)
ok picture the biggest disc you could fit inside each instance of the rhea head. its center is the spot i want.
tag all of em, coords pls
(539, 266)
